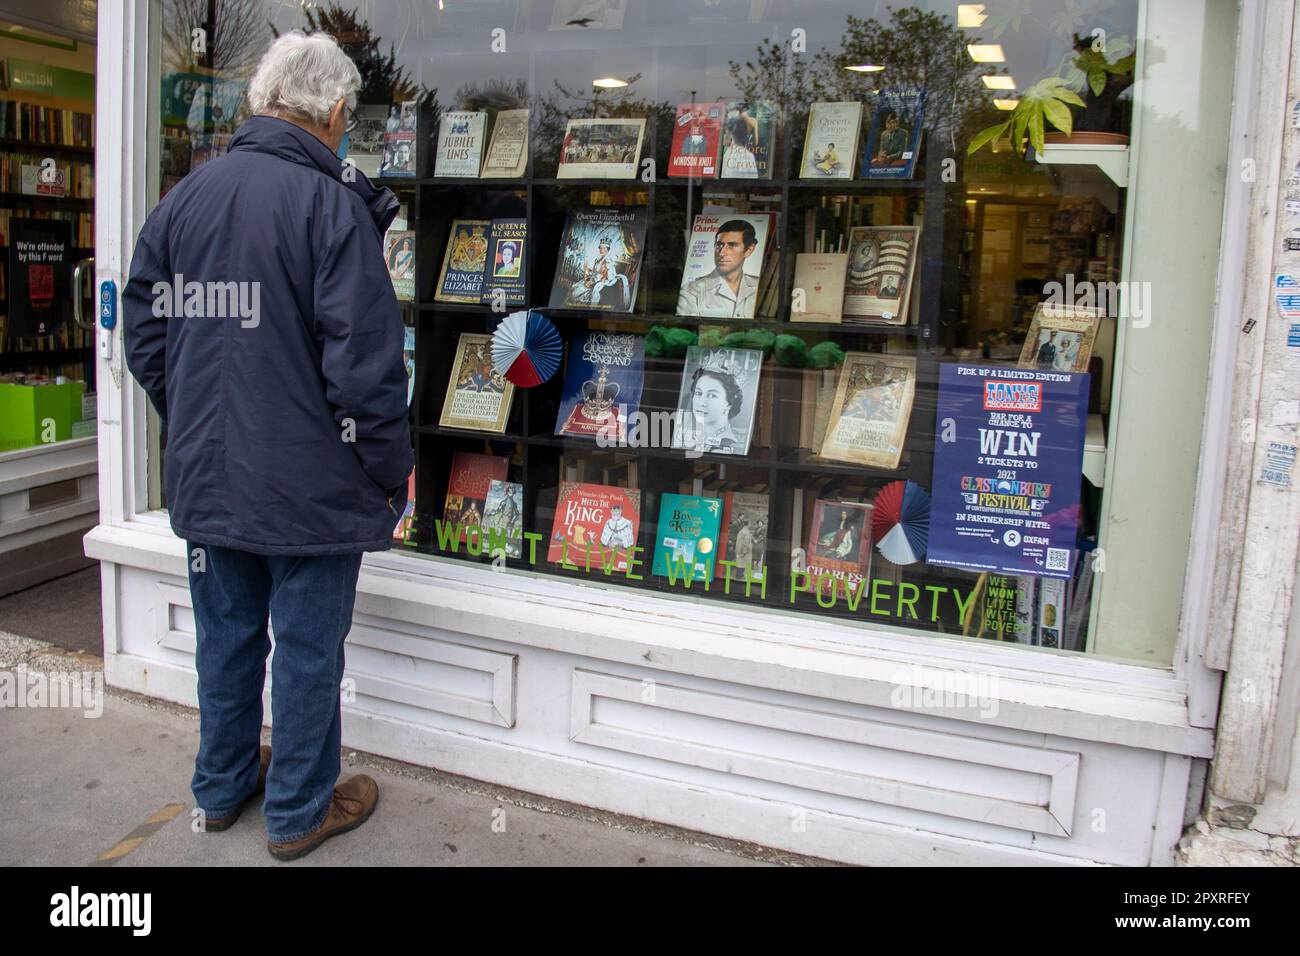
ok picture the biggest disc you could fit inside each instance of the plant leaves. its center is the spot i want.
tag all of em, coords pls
(1071, 97)
(1097, 82)
(1021, 117)
(987, 136)
(1036, 131)
(1058, 114)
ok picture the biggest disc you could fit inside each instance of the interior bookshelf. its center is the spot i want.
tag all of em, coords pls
(32, 129)
(775, 459)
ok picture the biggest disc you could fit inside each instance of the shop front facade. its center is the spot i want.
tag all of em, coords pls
(879, 494)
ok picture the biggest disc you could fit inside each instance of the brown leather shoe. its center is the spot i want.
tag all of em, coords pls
(354, 801)
(228, 821)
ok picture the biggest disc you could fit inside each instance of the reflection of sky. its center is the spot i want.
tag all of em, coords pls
(685, 45)
(678, 46)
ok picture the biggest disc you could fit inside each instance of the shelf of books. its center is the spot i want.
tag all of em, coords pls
(746, 312)
(46, 205)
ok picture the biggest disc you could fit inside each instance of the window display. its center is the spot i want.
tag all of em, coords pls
(832, 297)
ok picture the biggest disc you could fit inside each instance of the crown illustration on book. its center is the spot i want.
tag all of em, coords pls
(721, 361)
(598, 396)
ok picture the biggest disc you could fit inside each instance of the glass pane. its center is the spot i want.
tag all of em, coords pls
(830, 297)
(47, 200)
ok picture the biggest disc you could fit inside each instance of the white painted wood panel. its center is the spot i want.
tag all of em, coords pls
(1059, 769)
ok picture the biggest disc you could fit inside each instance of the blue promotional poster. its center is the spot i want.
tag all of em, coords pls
(1005, 491)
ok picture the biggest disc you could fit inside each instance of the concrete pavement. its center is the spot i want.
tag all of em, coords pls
(114, 790)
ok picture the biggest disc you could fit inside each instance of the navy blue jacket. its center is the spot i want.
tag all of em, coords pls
(287, 426)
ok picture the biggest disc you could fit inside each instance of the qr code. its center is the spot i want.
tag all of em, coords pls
(1058, 559)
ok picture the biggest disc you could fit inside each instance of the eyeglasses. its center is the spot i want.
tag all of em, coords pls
(353, 120)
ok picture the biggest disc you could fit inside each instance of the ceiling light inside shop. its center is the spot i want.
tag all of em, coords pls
(1005, 104)
(970, 15)
(986, 52)
(609, 83)
(865, 68)
(999, 82)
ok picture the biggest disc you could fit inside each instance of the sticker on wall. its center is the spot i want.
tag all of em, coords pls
(1291, 242)
(1277, 464)
(1293, 336)
(1286, 290)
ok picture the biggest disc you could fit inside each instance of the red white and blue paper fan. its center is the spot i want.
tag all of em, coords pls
(526, 348)
(900, 521)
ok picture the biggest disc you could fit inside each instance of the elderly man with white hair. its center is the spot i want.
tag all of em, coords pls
(260, 320)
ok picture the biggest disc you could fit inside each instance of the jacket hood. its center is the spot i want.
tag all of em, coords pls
(280, 138)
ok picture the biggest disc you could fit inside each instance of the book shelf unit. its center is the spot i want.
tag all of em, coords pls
(33, 359)
(50, 492)
(781, 465)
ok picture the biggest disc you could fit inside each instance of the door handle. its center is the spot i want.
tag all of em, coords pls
(78, 297)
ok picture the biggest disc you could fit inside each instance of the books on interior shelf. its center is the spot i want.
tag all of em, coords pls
(724, 265)
(478, 396)
(403, 528)
(505, 281)
(697, 134)
(507, 152)
(461, 279)
(830, 143)
(872, 406)
(817, 399)
(467, 488)
(599, 263)
(1060, 338)
(408, 359)
(686, 546)
(399, 254)
(400, 148)
(602, 385)
(894, 137)
(366, 140)
(717, 399)
(878, 282)
(817, 294)
(839, 546)
(748, 140)
(601, 148)
(743, 537)
(595, 526)
(461, 135)
(503, 519)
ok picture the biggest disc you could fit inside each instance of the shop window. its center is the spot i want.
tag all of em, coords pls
(818, 311)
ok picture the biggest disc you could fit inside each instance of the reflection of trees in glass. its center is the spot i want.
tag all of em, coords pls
(496, 94)
(916, 47)
(383, 80)
(553, 111)
(232, 36)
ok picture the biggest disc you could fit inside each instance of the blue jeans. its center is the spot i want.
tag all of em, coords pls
(309, 601)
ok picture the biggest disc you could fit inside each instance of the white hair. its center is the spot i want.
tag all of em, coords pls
(304, 76)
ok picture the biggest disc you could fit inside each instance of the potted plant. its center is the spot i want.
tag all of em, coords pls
(1091, 85)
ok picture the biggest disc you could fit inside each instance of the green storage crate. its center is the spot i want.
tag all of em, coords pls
(24, 410)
